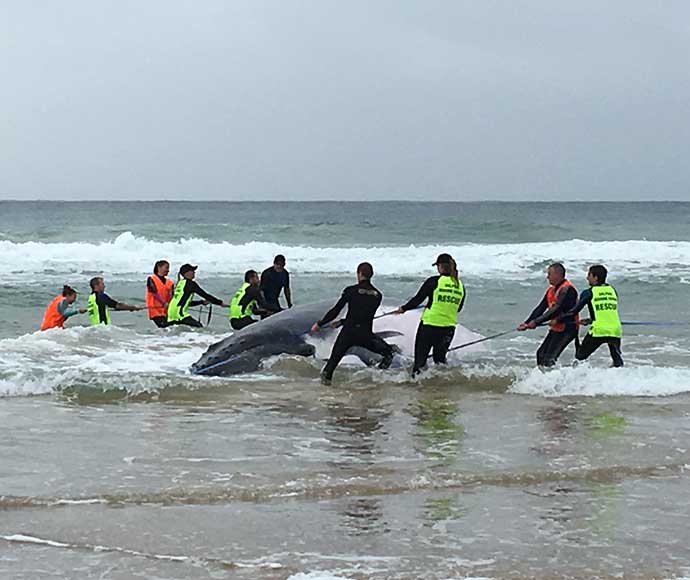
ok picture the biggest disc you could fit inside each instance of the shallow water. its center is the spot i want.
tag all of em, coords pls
(116, 463)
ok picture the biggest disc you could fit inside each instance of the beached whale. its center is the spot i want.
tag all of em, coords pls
(287, 332)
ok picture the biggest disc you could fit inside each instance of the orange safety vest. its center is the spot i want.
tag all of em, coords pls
(52, 317)
(165, 291)
(555, 323)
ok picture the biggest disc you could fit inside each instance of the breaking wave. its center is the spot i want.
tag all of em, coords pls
(132, 255)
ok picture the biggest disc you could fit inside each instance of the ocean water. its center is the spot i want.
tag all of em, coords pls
(117, 463)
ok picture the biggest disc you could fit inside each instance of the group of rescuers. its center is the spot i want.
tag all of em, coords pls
(168, 304)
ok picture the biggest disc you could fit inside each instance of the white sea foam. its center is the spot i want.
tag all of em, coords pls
(132, 255)
(585, 380)
(44, 362)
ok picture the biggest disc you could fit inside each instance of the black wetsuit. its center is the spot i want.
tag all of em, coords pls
(362, 301)
(428, 338)
(555, 341)
(591, 343)
(253, 292)
(272, 284)
(191, 288)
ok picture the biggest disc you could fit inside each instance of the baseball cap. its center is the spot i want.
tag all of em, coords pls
(184, 268)
(443, 259)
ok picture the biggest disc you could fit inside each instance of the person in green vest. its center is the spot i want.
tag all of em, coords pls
(445, 296)
(606, 328)
(100, 304)
(246, 301)
(181, 302)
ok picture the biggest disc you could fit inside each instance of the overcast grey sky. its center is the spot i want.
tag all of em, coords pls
(456, 100)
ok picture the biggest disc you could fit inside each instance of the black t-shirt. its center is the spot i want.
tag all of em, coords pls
(273, 282)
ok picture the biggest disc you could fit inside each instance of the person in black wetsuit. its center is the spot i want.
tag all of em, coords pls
(560, 298)
(185, 289)
(362, 301)
(274, 280)
(246, 301)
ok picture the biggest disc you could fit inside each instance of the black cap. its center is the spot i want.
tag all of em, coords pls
(184, 268)
(443, 259)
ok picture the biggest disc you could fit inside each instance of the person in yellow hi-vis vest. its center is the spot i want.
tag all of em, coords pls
(445, 296)
(606, 328)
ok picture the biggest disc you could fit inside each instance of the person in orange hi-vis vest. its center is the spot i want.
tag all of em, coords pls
(560, 299)
(159, 292)
(60, 309)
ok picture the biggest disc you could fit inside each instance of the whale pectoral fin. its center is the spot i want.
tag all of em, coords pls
(388, 333)
(366, 356)
(306, 349)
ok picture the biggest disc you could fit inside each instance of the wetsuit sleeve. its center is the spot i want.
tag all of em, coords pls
(538, 311)
(264, 280)
(205, 295)
(559, 307)
(585, 299)
(425, 292)
(107, 300)
(287, 280)
(253, 293)
(462, 302)
(331, 315)
(66, 310)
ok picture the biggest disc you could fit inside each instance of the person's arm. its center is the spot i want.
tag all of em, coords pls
(462, 302)
(538, 311)
(288, 294)
(151, 287)
(585, 298)
(332, 314)
(205, 295)
(68, 310)
(556, 309)
(253, 293)
(425, 292)
(108, 301)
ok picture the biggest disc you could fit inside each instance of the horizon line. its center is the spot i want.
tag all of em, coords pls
(273, 200)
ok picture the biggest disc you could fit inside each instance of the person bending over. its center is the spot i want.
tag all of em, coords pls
(248, 300)
(185, 289)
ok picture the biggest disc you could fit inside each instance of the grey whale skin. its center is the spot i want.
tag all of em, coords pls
(282, 333)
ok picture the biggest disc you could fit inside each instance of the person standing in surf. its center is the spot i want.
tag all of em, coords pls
(606, 328)
(185, 289)
(60, 309)
(100, 303)
(159, 293)
(560, 298)
(445, 296)
(362, 300)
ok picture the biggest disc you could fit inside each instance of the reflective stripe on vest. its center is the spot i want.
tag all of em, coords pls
(552, 293)
(94, 314)
(165, 291)
(445, 302)
(236, 311)
(176, 310)
(52, 317)
(605, 320)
